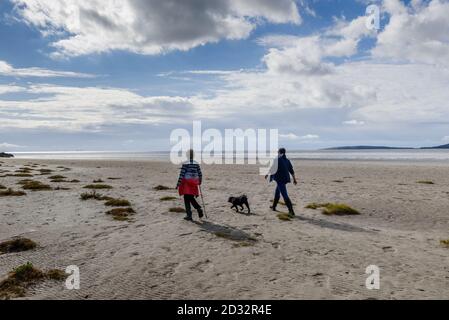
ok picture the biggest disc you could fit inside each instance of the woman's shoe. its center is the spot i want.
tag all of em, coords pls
(200, 213)
(188, 219)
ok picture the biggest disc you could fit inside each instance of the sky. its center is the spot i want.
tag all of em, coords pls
(121, 75)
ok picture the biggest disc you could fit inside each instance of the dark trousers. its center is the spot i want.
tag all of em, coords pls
(282, 190)
(189, 201)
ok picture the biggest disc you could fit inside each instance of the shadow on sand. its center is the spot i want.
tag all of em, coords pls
(226, 232)
(333, 225)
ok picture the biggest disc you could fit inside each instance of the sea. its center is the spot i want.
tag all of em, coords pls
(438, 155)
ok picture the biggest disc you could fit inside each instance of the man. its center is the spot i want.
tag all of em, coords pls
(189, 181)
(282, 178)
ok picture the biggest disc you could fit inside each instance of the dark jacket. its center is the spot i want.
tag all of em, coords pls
(284, 170)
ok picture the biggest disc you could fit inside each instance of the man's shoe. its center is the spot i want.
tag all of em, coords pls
(188, 219)
(273, 208)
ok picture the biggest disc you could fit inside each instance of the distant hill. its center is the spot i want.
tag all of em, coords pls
(445, 146)
(6, 155)
(366, 148)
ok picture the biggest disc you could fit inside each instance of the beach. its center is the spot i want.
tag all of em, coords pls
(157, 255)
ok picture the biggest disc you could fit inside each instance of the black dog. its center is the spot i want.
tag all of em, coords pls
(239, 202)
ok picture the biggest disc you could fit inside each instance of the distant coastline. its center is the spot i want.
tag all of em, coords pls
(446, 146)
(6, 155)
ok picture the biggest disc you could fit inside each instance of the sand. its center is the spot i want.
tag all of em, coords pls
(158, 255)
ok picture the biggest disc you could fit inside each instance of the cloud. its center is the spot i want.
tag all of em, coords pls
(418, 33)
(8, 70)
(445, 139)
(10, 89)
(6, 145)
(292, 136)
(289, 136)
(148, 26)
(354, 122)
(90, 108)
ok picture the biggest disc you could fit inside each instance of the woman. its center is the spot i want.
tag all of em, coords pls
(282, 178)
(189, 181)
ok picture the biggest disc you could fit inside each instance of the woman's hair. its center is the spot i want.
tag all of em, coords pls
(190, 154)
(282, 151)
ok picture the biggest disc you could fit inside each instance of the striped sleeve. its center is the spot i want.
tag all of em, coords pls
(182, 174)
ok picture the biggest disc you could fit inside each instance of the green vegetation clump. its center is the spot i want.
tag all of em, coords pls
(284, 217)
(18, 280)
(118, 203)
(425, 182)
(36, 186)
(114, 178)
(177, 210)
(56, 274)
(17, 245)
(161, 188)
(98, 186)
(168, 198)
(94, 195)
(315, 205)
(20, 175)
(11, 193)
(98, 181)
(45, 172)
(337, 209)
(2, 187)
(445, 243)
(57, 177)
(121, 214)
(74, 181)
(24, 182)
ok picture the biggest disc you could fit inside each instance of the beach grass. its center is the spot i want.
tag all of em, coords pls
(284, 217)
(338, 209)
(168, 198)
(45, 172)
(315, 205)
(117, 203)
(112, 178)
(20, 175)
(121, 214)
(2, 187)
(17, 245)
(74, 181)
(25, 181)
(56, 274)
(98, 181)
(98, 186)
(177, 210)
(61, 188)
(425, 182)
(19, 279)
(11, 193)
(94, 195)
(445, 243)
(57, 177)
(36, 186)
